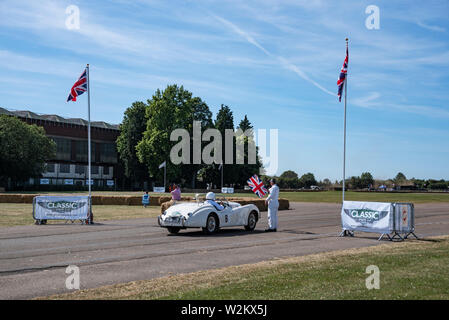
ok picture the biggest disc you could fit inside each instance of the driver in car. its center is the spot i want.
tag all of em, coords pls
(210, 199)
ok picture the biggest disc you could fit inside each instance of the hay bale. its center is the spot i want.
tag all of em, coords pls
(97, 200)
(113, 200)
(11, 198)
(136, 200)
(166, 205)
(28, 198)
(129, 200)
(163, 199)
(284, 204)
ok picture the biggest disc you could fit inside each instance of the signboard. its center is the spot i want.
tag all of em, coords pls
(159, 189)
(227, 190)
(68, 181)
(60, 207)
(44, 181)
(110, 183)
(91, 182)
(367, 216)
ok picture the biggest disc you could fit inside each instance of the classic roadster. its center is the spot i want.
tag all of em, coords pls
(204, 215)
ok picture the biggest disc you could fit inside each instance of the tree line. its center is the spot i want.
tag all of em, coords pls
(24, 149)
(144, 141)
(290, 180)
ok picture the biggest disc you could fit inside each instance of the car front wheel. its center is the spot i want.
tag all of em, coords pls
(211, 224)
(173, 230)
(252, 221)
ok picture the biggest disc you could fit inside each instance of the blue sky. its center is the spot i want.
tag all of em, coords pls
(276, 61)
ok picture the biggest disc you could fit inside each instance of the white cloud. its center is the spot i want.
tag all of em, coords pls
(372, 102)
(430, 27)
(283, 61)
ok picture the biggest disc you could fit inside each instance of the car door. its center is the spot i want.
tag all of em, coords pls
(225, 217)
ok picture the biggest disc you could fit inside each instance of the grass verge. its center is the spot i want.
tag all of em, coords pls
(408, 270)
(15, 214)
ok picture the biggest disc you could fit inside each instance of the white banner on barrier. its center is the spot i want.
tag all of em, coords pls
(227, 190)
(367, 216)
(61, 208)
(159, 189)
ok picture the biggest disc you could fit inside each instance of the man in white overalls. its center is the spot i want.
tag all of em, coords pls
(273, 205)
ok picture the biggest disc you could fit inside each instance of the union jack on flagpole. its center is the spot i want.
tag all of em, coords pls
(82, 85)
(344, 70)
(257, 186)
(343, 82)
(79, 87)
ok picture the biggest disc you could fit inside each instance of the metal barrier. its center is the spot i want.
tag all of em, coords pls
(404, 220)
(69, 208)
(393, 220)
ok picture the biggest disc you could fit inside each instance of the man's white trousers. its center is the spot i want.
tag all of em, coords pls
(273, 207)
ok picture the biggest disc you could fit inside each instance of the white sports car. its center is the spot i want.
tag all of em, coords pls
(204, 215)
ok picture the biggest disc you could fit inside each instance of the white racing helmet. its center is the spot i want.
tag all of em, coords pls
(210, 196)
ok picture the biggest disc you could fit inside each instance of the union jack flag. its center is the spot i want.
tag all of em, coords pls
(342, 78)
(79, 87)
(257, 186)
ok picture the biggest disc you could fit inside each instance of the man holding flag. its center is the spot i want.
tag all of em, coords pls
(273, 205)
(272, 201)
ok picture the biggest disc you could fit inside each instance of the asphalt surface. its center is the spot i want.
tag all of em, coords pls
(33, 259)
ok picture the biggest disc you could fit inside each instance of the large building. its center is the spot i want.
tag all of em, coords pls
(69, 167)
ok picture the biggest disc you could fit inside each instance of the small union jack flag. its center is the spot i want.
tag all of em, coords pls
(342, 78)
(257, 186)
(79, 87)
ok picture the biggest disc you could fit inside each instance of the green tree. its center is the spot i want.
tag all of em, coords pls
(289, 174)
(355, 182)
(307, 180)
(225, 120)
(289, 180)
(245, 124)
(23, 149)
(131, 133)
(173, 108)
(246, 170)
(400, 178)
(366, 179)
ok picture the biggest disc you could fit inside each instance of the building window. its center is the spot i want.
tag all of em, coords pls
(106, 170)
(64, 168)
(82, 151)
(63, 148)
(108, 153)
(79, 169)
(94, 169)
(50, 167)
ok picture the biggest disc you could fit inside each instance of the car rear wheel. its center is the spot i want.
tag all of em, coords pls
(211, 224)
(173, 230)
(252, 221)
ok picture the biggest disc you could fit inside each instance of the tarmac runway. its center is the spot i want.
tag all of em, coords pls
(33, 259)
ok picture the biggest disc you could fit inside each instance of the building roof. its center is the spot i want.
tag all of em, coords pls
(55, 118)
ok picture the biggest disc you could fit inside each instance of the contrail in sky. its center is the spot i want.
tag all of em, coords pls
(284, 62)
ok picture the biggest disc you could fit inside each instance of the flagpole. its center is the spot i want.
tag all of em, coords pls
(88, 142)
(222, 167)
(344, 125)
